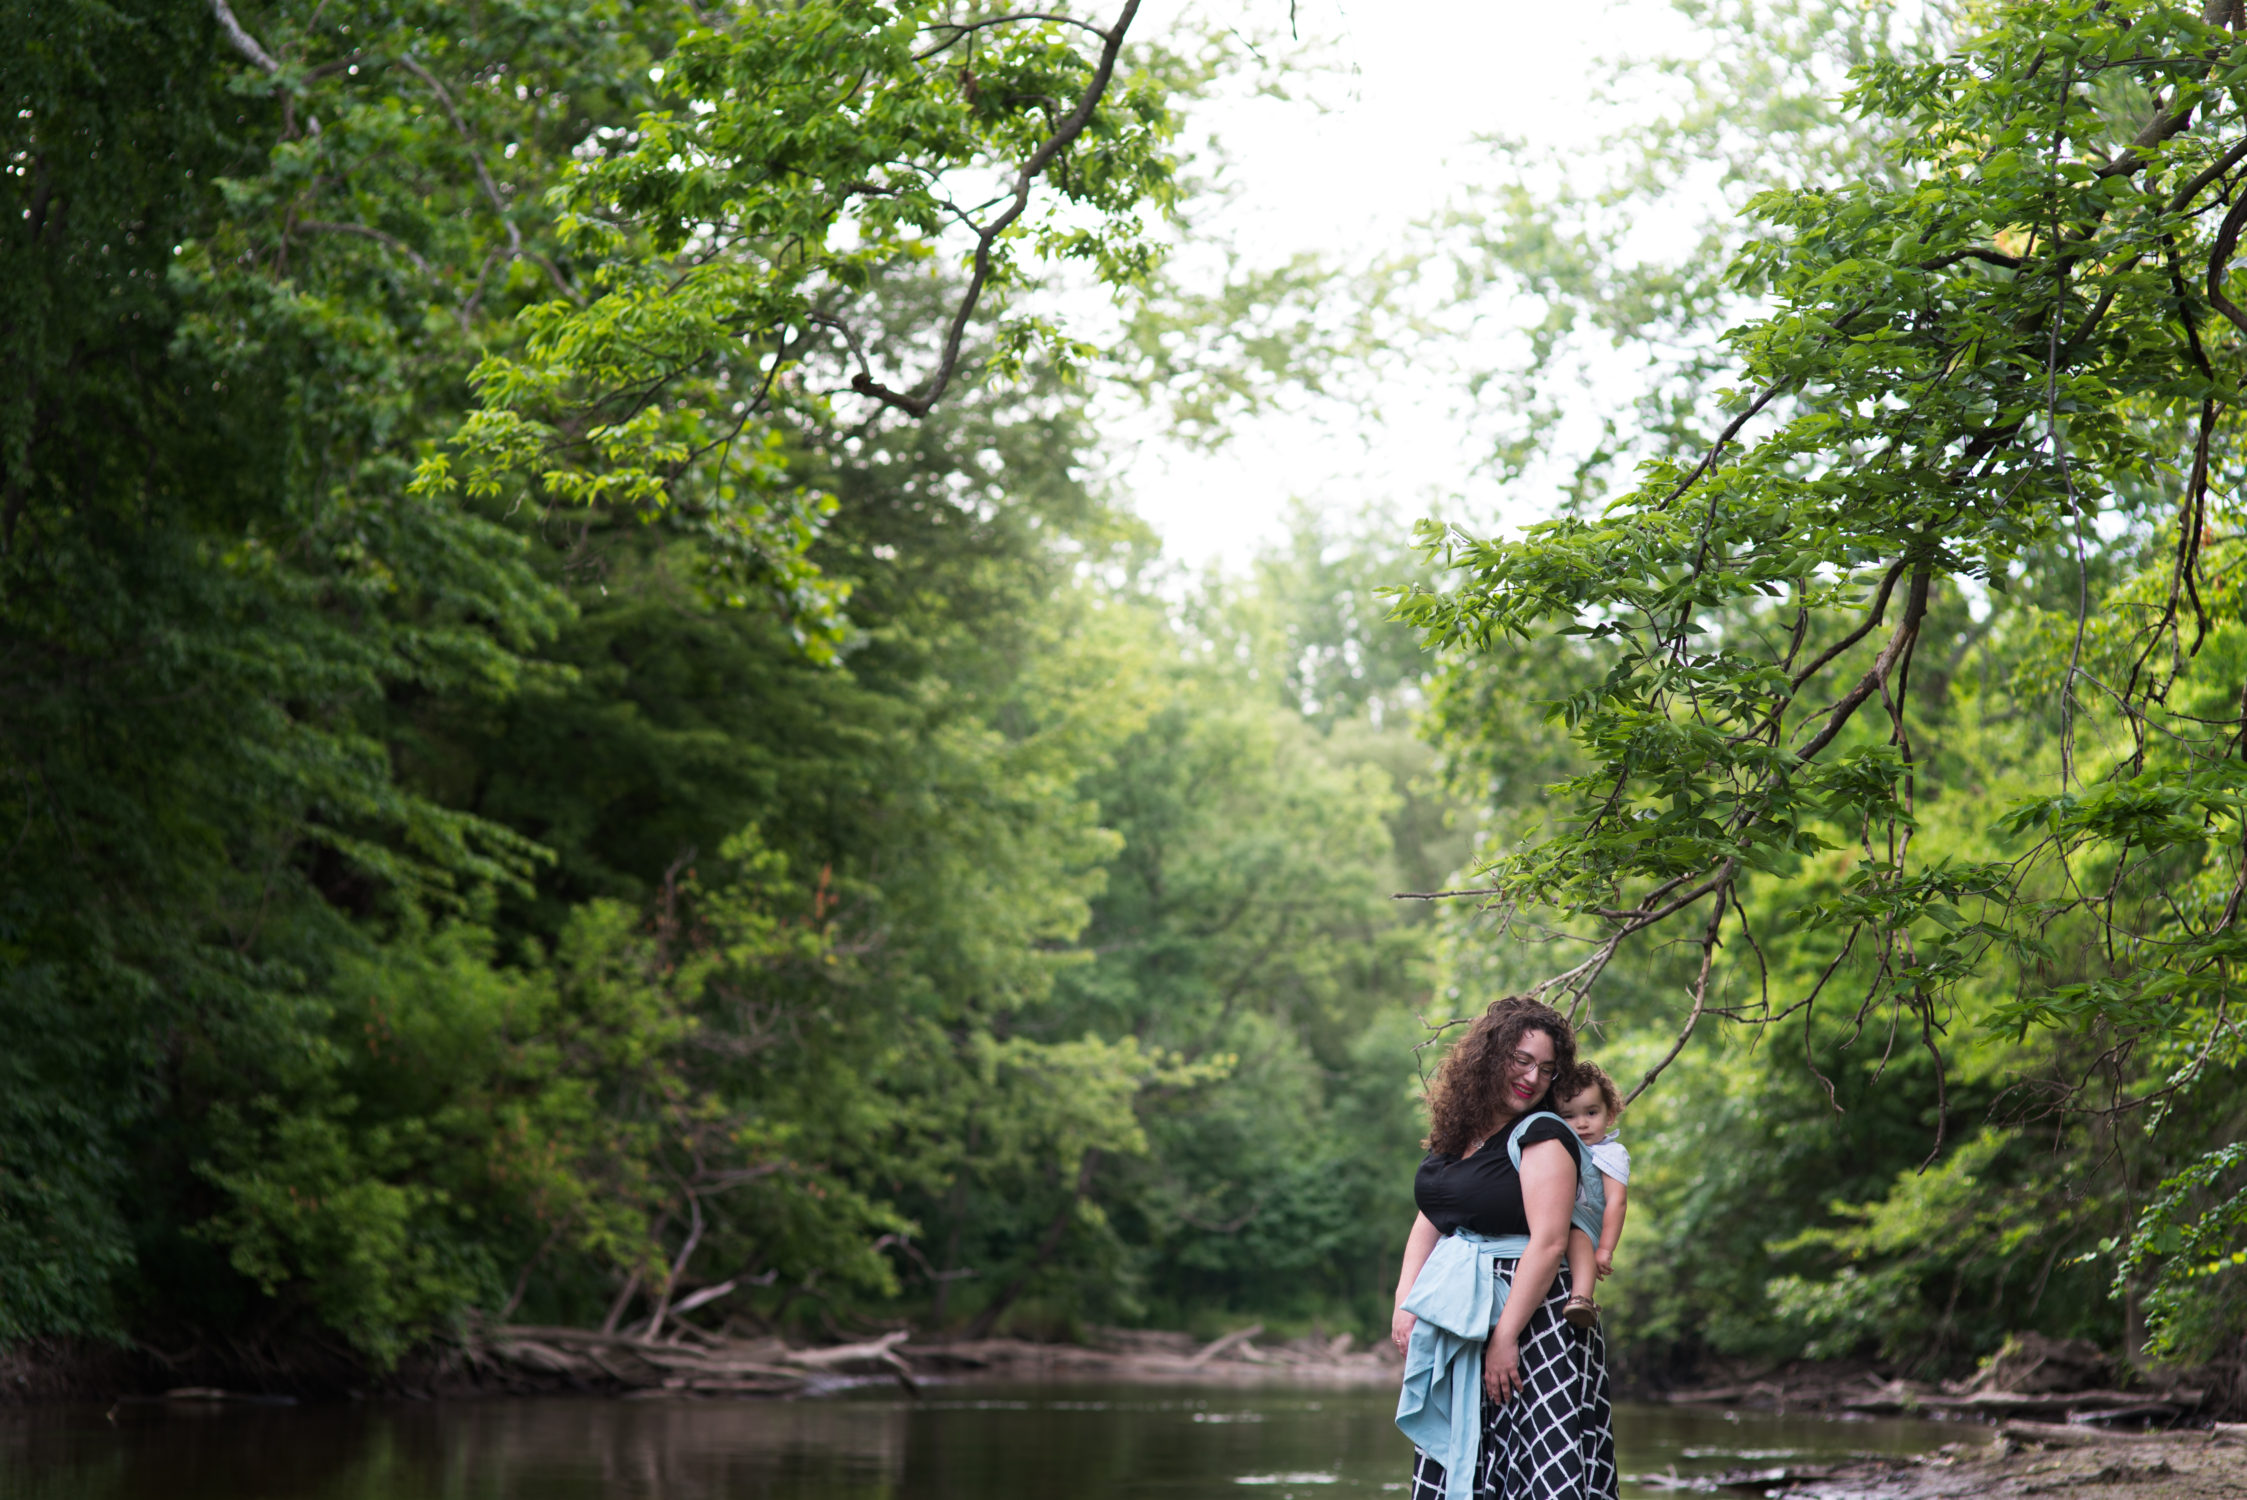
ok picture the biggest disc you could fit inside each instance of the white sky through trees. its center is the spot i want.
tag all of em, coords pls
(1380, 139)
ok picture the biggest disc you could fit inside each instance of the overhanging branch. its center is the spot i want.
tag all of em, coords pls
(1072, 126)
(242, 41)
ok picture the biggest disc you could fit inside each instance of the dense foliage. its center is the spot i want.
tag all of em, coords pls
(585, 742)
(742, 838)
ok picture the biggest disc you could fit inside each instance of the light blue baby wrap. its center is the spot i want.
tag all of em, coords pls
(1457, 1299)
(1604, 1158)
(1590, 1212)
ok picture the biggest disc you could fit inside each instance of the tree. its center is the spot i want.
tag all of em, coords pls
(1992, 379)
(733, 242)
(259, 256)
(212, 575)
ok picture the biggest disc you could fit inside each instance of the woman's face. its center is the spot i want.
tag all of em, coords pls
(1529, 1072)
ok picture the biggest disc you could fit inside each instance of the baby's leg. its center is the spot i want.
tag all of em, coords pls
(1583, 1274)
(1583, 1269)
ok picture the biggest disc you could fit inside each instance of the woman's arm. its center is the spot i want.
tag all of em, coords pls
(1418, 1246)
(1611, 1225)
(1548, 1193)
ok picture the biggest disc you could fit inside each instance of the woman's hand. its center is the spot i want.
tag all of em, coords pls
(1501, 1367)
(1418, 1246)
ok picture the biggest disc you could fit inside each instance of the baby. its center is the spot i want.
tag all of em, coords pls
(1590, 1105)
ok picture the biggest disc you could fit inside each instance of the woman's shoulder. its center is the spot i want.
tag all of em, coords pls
(1550, 1128)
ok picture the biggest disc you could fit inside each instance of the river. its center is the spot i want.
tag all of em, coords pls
(959, 1442)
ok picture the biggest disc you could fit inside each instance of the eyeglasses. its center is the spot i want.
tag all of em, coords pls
(1524, 1063)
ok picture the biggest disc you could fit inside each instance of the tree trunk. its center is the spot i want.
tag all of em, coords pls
(954, 1210)
(981, 1326)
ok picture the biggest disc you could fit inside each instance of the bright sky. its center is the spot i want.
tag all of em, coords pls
(1420, 79)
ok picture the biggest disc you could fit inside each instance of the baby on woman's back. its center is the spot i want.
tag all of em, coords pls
(1587, 1100)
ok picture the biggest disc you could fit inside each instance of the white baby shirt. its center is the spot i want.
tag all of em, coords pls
(1608, 1159)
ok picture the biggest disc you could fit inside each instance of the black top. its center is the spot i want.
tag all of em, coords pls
(1483, 1191)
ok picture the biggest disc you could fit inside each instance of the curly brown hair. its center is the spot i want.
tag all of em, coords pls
(1589, 1075)
(1467, 1100)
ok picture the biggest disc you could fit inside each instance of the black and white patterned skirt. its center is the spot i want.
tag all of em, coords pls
(1555, 1440)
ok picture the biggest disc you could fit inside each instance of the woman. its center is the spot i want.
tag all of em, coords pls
(1546, 1431)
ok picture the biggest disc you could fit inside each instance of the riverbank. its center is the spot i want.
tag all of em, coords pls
(2086, 1399)
(691, 1363)
(2017, 1459)
(686, 1363)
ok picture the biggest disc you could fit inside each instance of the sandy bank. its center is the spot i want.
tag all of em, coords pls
(2016, 1459)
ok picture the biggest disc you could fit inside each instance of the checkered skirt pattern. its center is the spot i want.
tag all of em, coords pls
(1555, 1440)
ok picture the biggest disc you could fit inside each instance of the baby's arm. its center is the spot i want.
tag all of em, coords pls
(1611, 1224)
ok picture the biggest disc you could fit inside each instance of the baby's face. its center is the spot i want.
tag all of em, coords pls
(1587, 1115)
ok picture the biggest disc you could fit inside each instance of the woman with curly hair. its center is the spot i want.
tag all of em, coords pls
(1502, 1398)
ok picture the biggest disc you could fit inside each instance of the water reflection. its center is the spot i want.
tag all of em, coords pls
(1087, 1443)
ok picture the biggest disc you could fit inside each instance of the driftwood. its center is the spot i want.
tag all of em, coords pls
(842, 1356)
(1237, 1339)
(590, 1359)
(2074, 1406)
(2074, 1435)
(881, 1351)
(690, 1362)
(2032, 1365)
(1867, 1395)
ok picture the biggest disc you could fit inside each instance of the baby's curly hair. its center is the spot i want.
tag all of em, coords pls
(1467, 1096)
(1589, 1075)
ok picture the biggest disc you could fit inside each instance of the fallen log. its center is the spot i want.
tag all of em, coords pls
(586, 1356)
(873, 1351)
(528, 1357)
(1760, 1479)
(711, 1362)
(767, 1348)
(881, 1351)
(1230, 1341)
(2059, 1435)
(2144, 1410)
(538, 1356)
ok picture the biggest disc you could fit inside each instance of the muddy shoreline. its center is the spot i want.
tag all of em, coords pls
(1864, 1391)
(2148, 1443)
(2014, 1459)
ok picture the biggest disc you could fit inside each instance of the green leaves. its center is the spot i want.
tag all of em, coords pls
(2193, 1229)
(2156, 809)
(1962, 354)
(808, 154)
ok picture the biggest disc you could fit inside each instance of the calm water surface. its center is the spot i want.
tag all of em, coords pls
(1051, 1442)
